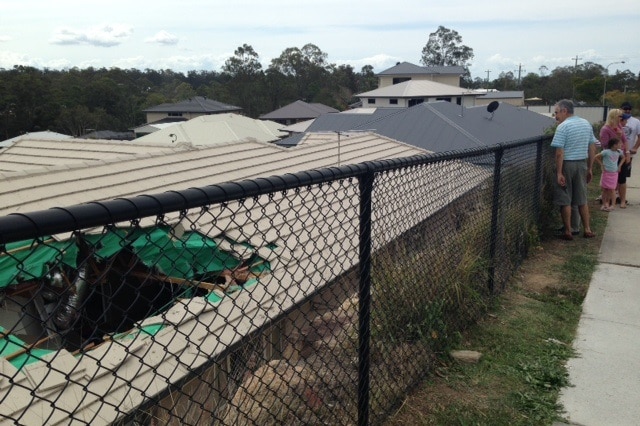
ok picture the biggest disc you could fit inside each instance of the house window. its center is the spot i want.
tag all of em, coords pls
(175, 114)
(397, 80)
(413, 102)
(443, 99)
(371, 101)
(393, 101)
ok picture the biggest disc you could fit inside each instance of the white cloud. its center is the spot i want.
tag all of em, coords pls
(163, 37)
(379, 62)
(4, 38)
(105, 35)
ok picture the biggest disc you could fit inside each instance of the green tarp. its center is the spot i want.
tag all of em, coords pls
(32, 259)
(190, 255)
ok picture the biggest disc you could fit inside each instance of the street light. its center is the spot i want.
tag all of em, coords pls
(604, 90)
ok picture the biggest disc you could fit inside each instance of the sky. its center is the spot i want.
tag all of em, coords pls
(193, 35)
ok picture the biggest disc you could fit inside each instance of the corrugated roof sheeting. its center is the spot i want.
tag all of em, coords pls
(299, 110)
(197, 104)
(439, 126)
(407, 68)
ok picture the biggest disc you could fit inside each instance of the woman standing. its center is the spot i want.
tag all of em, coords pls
(613, 128)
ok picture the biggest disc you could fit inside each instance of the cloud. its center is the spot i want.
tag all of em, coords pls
(379, 62)
(104, 35)
(163, 37)
(4, 38)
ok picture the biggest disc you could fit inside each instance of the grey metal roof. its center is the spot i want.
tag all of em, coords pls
(298, 110)
(197, 104)
(438, 126)
(406, 68)
(513, 94)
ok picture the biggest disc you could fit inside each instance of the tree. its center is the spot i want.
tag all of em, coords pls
(445, 48)
(367, 79)
(246, 79)
(307, 69)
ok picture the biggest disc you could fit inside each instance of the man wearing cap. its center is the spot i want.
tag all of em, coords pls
(632, 128)
(574, 142)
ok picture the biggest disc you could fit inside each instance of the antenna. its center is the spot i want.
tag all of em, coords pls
(492, 107)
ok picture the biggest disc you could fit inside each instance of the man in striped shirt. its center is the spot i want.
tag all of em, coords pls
(574, 142)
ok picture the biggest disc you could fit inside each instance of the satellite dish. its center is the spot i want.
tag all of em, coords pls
(492, 107)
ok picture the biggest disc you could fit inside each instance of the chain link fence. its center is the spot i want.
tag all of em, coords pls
(315, 298)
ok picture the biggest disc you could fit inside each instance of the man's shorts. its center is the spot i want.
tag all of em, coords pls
(625, 172)
(575, 191)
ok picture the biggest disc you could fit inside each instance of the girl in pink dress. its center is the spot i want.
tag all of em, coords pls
(613, 128)
(611, 163)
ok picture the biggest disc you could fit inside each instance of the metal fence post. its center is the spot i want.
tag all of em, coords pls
(364, 293)
(537, 188)
(495, 211)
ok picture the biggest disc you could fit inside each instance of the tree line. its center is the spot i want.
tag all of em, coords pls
(75, 101)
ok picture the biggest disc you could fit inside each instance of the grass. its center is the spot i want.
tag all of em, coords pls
(525, 342)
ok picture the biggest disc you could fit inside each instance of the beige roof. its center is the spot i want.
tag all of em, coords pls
(298, 127)
(315, 230)
(133, 169)
(28, 155)
(217, 128)
(47, 134)
(415, 88)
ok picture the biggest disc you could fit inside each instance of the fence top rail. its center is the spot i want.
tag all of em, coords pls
(21, 226)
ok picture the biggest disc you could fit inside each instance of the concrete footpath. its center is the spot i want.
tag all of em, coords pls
(605, 375)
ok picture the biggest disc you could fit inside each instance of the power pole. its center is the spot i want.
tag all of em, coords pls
(519, 71)
(575, 67)
(488, 71)
(573, 86)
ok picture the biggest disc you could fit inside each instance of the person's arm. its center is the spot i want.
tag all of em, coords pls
(605, 135)
(559, 173)
(598, 159)
(635, 147)
(592, 154)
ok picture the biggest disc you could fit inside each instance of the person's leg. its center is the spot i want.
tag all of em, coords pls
(604, 198)
(565, 213)
(622, 191)
(586, 220)
(576, 223)
(611, 197)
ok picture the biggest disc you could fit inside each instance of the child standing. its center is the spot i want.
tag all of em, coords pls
(609, 159)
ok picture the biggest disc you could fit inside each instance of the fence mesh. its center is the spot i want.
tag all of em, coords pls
(250, 311)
